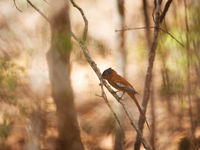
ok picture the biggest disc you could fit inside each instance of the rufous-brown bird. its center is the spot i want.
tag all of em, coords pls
(123, 85)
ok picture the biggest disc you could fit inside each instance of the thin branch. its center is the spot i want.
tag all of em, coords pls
(136, 28)
(103, 82)
(39, 11)
(84, 18)
(115, 115)
(98, 73)
(17, 6)
(152, 27)
(162, 16)
(165, 31)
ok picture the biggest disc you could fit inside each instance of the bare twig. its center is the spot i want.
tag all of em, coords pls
(148, 78)
(103, 95)
(115, 115)
(98, 73)
(152, 27)
(136, 28)
(165, 31)
(84, 18)
(16, 6)
(39, 11)
(162, 16)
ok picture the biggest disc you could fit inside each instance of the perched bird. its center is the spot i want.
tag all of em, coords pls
(123, 85)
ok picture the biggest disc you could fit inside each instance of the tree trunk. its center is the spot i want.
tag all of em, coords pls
(59, 70)
(121, 68)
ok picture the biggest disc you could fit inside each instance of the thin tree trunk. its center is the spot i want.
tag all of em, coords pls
(59, 70)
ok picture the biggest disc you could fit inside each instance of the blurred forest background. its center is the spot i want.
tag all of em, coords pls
(48, 92)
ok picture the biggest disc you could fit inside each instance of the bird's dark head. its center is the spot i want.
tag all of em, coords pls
(107, 72)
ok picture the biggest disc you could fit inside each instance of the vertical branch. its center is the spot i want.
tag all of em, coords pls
(148, 38)
(149, 71)
(188, 74)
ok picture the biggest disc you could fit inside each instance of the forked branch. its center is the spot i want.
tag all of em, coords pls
(148, 78)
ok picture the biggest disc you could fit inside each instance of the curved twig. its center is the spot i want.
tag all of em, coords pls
(17, 6)
(39, 11)
(84, 18)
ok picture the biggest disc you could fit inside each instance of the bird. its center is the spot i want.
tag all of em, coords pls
(121, 84)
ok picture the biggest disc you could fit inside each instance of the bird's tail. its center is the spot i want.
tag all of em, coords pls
(138, 106)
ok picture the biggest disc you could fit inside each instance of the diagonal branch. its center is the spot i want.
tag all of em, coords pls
(162, 16)
(98, 73)
(165, 31)
(103, 95)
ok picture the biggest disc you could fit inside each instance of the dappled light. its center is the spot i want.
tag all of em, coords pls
(53, 95)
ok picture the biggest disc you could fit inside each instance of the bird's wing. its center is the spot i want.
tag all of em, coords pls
(125, 87)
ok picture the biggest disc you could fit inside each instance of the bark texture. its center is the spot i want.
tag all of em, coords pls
(58, 58)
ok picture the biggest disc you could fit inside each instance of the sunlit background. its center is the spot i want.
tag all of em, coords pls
(27, 109)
